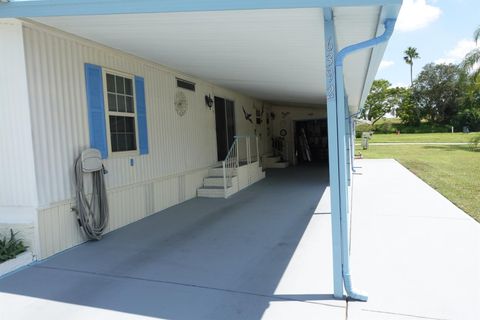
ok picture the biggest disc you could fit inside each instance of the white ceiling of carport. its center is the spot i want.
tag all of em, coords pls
(273, 55)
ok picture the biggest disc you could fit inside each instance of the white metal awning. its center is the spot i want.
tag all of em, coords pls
(275, 55)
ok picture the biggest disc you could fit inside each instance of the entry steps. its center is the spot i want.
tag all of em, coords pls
(213, 184)
(239, 178)
(271, 161)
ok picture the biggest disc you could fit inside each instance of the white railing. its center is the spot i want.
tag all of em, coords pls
(280, 148)
(239, 153)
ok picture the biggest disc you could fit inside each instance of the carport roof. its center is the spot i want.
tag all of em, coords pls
(274, 54)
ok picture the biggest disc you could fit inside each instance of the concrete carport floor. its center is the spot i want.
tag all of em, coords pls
(263, 253)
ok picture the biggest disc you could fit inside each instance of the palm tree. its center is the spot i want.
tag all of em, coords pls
(410, 54)
(472, 59)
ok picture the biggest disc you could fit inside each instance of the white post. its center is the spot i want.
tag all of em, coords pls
(224, 179)
(236, 149)
(247, 141)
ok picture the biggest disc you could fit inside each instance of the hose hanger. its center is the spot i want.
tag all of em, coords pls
(91, 208)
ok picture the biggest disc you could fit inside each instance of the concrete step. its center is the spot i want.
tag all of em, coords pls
(272, 159)
(217, 181)
(214, 192)
(280, 164)
(218, 171)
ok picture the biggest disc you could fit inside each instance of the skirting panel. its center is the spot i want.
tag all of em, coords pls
(58, 228)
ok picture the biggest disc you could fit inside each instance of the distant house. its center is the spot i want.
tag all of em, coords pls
(164, 89)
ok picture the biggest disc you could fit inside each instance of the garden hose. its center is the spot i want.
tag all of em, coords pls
(92, 214)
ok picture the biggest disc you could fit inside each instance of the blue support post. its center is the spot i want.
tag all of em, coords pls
(341, 145)
(348, 142)
(330, 54)
(352, 143)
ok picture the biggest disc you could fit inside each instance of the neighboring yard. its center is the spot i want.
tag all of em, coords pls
(421, 137)
(453, 170)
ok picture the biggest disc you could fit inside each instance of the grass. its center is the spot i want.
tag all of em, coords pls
(421, 137)
(453, 170)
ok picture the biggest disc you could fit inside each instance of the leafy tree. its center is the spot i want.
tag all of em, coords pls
(408, 111)
(381, 100)
(469, 107)
(471, 61)
(411, 54)
(437, 91)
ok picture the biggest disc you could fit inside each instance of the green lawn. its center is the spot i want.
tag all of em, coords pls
(453, 170)
(422, 137)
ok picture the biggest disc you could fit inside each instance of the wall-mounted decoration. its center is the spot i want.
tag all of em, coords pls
(283, 132)
(259, 115)
(285, 114)
(248, 116)
(272, 115)
(181, 103)
(209, 101)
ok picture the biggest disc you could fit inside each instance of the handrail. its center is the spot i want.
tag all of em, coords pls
(229, 165)
(232, 160)
(283, 150)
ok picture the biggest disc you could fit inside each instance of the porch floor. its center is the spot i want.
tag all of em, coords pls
(262, 253)
(266, 253)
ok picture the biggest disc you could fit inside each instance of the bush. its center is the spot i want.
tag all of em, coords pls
(469, 117)
(10, 248)
(392, 126)
(475, 143)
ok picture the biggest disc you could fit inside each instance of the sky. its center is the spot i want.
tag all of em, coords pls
(441, 30)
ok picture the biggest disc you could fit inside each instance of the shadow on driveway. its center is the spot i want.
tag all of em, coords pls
(202, 259)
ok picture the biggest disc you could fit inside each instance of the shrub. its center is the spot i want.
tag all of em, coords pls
(10, 248)
(475, 143)
(392, 126)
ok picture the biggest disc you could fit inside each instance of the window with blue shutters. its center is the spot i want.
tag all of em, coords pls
(116, 101)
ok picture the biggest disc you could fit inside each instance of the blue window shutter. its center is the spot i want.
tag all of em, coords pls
(141, 115)
(96, 108)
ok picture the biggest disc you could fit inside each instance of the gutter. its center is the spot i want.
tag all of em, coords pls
(340, 96)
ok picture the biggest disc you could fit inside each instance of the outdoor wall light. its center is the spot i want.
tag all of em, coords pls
(209, 101)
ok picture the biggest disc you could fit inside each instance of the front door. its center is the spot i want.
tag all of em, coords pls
(225, 124)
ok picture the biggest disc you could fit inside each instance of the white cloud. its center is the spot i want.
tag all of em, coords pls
(458, 52)
(416, 14)
(386, 63)
(401, 85)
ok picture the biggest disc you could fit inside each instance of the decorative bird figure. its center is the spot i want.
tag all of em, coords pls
(248, 116)
(285, 114)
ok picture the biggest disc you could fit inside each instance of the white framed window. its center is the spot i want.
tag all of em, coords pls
(120, 113)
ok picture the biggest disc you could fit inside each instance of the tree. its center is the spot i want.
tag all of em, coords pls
(411, 54)
(471, 61)
(437, 91)
(381, 100)
(408, 111)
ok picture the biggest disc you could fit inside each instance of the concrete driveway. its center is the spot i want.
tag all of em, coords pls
(263, 253)
(414, 252)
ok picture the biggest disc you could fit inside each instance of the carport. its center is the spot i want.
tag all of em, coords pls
(246, 257)
(308, 52)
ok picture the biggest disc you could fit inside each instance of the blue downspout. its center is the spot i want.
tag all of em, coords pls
(344, 207)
